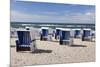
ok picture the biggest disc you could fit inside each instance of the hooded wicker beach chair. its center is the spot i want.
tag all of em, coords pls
(65, 37)
(24, 41)
(86, 35)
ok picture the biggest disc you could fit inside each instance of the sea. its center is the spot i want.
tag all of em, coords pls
(52, 25)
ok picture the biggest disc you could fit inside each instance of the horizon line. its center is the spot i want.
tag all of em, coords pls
(48, 22)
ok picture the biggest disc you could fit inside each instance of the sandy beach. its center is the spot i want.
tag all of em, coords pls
(50, 52)
(63, 33)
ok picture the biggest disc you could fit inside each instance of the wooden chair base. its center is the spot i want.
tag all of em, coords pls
(64, 42)
(22, 49)
(44, 39)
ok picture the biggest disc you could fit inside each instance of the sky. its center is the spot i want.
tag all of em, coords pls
(23, 11)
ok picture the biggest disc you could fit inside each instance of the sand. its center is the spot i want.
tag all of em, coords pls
(50, 52)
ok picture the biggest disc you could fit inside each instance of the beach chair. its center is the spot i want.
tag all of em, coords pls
(65, 37)
(77, 33)
(53, 34)
(24, 41)
(86, 36)
(93, 35)
(57, 33)
(44, 34)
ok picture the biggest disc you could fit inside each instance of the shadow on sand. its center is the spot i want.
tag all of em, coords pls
(42, 51)
(75, 45)
(37, 51)
(55, 41)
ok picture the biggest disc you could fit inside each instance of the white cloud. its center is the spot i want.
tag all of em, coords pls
(19, 16)
(88, 17)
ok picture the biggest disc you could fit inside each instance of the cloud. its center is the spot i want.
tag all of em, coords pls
(24, 17)
(87, 17)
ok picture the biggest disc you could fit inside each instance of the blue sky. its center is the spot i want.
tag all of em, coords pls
(49, 12)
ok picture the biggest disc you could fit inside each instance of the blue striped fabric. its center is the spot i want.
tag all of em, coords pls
(65, 35)
(86, 33)
(45, 32)
(58, 32)
(77, 32)
(24, 37)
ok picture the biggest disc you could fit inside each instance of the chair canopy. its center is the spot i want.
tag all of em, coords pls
(45, 32)
(86, 33)
(58, 31)
(77, 32)
(24, 37)
(65, 34)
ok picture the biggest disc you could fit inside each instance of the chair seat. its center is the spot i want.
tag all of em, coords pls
(87, 37)
(65, 40)
(24, 45)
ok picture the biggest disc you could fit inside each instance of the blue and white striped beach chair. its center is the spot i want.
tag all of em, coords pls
(65, 37)
(44, 33)
(57, 33)
(86, 35)
(24, 40)
(77, 33)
